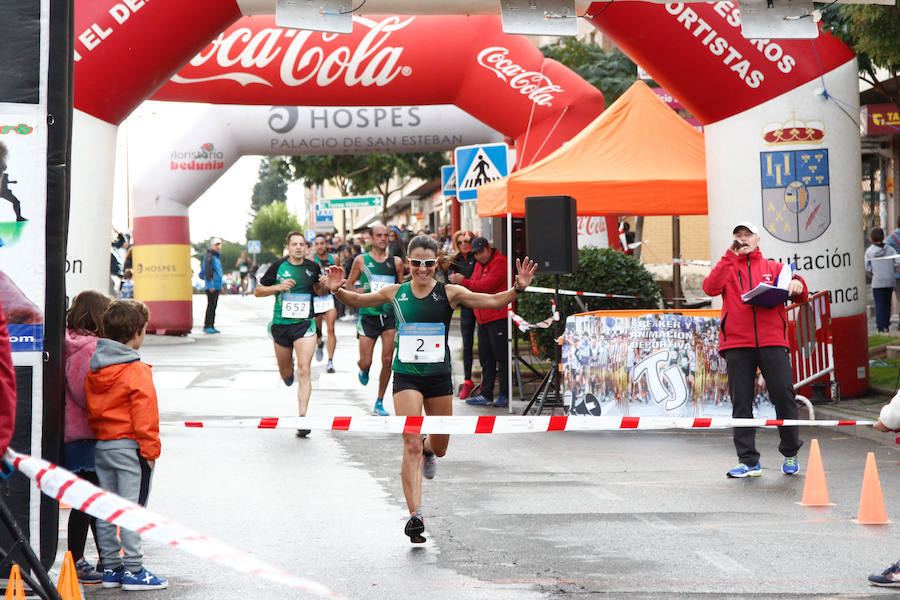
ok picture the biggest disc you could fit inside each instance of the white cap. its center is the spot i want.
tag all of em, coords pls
(746, 225)
(215, 241)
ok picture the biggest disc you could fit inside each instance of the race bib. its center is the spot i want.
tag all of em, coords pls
(421, 342)
(380, 281)
(244, 268)
(323, 303)
(295, 306)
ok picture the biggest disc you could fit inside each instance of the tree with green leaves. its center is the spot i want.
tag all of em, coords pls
(270, 186)
(610, 72)
(383, 174)
(874, 34)
(272, 224)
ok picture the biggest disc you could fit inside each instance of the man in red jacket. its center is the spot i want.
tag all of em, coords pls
(489, 277)
(7, 387)
(752, 336)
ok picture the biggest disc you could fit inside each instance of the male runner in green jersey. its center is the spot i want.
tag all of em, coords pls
(374, 270)
(323, 306)
(294, 280)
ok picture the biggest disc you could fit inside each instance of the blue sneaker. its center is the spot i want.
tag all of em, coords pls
(214, 330)
(112, 578)
(742, 470)
(364, 377)
(501, 401)
(791, 465)
(289, 381)
(209, 330)
(890, 577)
(379, 411)
(143, 580)
(479, 400)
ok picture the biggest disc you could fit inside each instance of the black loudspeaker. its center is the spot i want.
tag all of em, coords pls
(551, 233)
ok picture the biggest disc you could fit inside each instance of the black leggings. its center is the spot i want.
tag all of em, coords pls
(79, 523)
(467, 329)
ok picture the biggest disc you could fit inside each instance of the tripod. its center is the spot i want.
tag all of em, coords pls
(551, 380)
(519, 362)
(43, 587)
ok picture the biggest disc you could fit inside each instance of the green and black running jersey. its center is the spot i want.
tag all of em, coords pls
(375, 275)
(419, 322)
(329, 260)
(299, 299)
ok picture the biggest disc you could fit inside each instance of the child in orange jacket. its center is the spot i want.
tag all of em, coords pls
(123, 414)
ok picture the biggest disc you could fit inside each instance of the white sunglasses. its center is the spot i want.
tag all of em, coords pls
(427, 263)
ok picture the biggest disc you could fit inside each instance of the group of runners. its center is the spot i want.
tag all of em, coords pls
(411, 318)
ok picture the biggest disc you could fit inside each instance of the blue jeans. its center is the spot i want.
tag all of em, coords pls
(882, 307)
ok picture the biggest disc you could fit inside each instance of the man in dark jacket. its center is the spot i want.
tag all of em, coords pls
(753, 336)
(489, 277)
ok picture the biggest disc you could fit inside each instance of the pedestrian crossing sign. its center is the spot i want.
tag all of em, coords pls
(477, 165)
(448, 180)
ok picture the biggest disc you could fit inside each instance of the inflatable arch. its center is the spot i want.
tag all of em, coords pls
(760, 100)
(165, 191)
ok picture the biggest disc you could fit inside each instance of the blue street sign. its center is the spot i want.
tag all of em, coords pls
(254, 246)
(448, 180)
(477, 165)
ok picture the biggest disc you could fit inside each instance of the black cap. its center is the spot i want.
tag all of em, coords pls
(479, 244)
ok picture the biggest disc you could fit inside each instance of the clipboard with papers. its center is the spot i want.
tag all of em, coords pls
(767, 295)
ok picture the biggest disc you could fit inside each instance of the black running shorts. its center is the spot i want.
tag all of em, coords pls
(430, 386)
(372, 326)
(286, 335)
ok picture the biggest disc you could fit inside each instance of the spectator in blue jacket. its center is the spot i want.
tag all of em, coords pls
(211, 272)
(893, 240)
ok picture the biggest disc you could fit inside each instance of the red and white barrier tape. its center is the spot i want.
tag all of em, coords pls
(543, 290)
(498, 424)
(58, 483)
(524, 325)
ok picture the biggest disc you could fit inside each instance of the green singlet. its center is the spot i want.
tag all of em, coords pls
(304, 275)
(375, 275)
(426, 313)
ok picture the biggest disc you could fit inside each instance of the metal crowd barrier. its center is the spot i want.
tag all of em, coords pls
(811, 348)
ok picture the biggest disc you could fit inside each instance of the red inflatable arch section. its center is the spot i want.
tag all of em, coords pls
(736, 87)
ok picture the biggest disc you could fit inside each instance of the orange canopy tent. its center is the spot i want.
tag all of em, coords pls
(637, 158)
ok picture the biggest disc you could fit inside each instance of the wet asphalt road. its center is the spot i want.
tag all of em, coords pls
(526, 516)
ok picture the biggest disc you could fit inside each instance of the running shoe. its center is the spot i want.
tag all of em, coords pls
(364, 377)
(890, 577)
(429, 465)
(112, 578)
(209, 330)
(86, 572)
(501, 401)
(791, 465)
(143, 580)
(466, 389)
(289, 381)
(302, 433)
(414, 528)
(214, 330)
(320, 350)
(330, 368)
(742, 470)
(479, 400)
(378, 410)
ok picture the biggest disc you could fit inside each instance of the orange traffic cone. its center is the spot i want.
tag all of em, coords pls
(871, 500)
(15, 590)
(815, 489)
(68, 587)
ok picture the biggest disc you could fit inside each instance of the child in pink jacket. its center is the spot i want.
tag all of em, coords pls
(83, 327)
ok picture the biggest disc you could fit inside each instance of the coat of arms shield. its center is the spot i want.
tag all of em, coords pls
(795, 194)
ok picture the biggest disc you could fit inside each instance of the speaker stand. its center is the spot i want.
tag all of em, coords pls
(43, 587)
(551, 380)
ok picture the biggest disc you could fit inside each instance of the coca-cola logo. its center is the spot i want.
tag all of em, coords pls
(533, 84)
(591, 226)
(304, 56)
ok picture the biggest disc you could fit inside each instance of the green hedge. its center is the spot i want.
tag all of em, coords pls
(599, 270)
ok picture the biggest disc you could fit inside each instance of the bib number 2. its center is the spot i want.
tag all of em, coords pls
(421, 342)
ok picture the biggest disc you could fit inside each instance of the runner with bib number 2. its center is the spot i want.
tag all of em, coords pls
(423, 308)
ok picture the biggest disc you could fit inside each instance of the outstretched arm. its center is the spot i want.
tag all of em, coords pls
(335, 281)
(459, 295)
